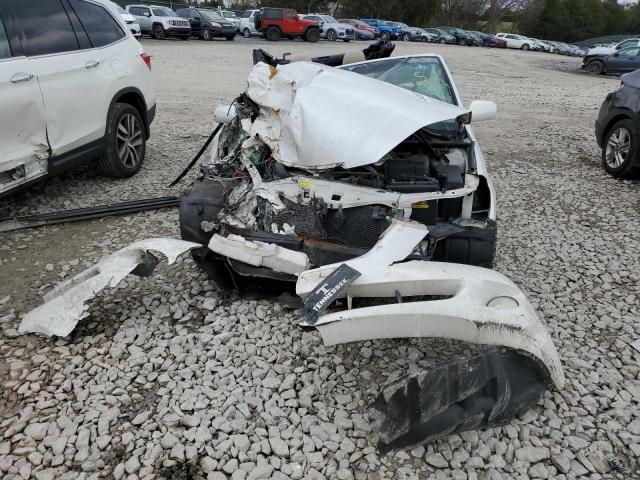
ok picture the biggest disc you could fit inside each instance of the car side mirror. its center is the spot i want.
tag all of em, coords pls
(483, 110)
(224, 113)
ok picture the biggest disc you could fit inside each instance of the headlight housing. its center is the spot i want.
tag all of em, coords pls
(214, 24)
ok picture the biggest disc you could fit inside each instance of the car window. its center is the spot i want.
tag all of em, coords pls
(328, 19)
(5, 48)
(163, 12)
(100, 26)
(423, 75)
(140, 11)
(626, 43)
(289, 14)
(194, 14)
(272, 14)
(121, 10)
(246, 14)
(46, 27)
(629, 52)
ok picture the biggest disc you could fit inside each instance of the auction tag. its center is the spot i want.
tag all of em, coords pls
(327, 291)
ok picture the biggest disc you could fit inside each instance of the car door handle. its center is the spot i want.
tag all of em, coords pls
(21, 77)
(91, 64)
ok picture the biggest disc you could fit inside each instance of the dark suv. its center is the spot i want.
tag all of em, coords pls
(276, 23)
(208, 24)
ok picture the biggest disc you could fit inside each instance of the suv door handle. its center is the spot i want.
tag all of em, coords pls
(91, 64)
(21, 77)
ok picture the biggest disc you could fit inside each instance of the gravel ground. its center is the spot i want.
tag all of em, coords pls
(170, 378)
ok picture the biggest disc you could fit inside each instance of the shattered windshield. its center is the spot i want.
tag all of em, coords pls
(423, 75)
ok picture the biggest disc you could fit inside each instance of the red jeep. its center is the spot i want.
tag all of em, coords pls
(276, 23)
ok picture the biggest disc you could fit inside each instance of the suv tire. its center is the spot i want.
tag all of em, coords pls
(125, 142)
(246, 33)
(332, 36)
(620, 149)
(312, 35)
(206, 34)
(386, 36)
(461, 42)
(525, 46)
(273, 34)
(158, 32)
(405, 37)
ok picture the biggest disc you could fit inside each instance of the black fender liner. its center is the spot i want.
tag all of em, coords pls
(487, 390)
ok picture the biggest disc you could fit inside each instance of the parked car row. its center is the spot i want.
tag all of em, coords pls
(276, 23)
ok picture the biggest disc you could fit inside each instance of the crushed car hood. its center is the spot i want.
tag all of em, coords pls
(368, 117)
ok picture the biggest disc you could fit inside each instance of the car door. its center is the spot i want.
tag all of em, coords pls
(626, 60)
(143, 15)
(290, 22)
(195, 19)
(24, 150)
(75, 68)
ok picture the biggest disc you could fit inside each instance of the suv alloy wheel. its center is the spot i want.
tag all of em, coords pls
(126, 142)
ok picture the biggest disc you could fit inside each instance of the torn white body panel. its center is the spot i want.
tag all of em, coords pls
(485, 306)
(260, 254)
(65, 305)
(294, 97)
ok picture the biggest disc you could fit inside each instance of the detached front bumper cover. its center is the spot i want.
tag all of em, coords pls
(65, 305)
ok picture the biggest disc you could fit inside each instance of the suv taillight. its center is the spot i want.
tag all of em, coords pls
(146, 59)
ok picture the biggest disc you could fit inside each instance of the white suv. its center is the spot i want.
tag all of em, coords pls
(331, 29)
(160, 22)
(75, 86)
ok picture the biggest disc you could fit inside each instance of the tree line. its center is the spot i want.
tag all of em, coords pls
(564, 20)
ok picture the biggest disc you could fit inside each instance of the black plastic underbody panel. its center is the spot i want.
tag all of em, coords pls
(485, 391)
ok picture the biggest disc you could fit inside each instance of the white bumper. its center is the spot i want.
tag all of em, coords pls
(484, 307)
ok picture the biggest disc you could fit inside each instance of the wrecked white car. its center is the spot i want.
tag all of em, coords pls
(363, 188)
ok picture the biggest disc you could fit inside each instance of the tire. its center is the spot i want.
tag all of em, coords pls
(461, 42)
(206, 35)
(525, 47)
(474, 246)
(405, 37)
(620, 149)
(159, 33)
(386, 36)
(230, 38)
(332, 36)
(595, 67)
(126, 142)
(246, 33)
(273, 34)
(443, 41)
(312, 35)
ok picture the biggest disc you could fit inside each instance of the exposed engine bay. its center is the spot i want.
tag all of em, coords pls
(347, 188)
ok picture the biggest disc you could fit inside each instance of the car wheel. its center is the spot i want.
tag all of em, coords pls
(273, 34)
(595, 67)
(405, 37)
(385, 36)
(126, 142)
(158, 32)
(206, 34)
(312, 35)
(246, 33)
(442, 41)
(620, 151)
(461, 42)
(525, 46)
(332, 36)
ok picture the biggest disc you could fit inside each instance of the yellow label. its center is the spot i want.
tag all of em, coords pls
(305, 183)
(420, 205)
